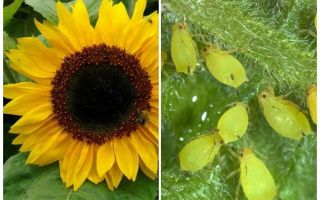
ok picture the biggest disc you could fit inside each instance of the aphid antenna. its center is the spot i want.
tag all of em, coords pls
(238, 191)
(233, 154)
(313, 34)
(165, 73)
(233, 173)
(184, 20)
(260, 154)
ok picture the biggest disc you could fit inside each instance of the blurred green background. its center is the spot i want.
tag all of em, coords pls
(277, 45)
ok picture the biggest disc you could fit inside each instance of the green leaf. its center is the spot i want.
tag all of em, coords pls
(46, 8)
(26, 182)
(8, 149)
(10, 10)
(9, 74)
(272, 52)
(8, 42)
(22, 26)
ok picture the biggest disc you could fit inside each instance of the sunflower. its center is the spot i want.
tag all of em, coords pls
(92, 103)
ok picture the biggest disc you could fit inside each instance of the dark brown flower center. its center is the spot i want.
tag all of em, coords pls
(99, 93)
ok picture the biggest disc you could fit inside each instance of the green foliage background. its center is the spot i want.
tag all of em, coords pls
(35, 183)
(277, 46)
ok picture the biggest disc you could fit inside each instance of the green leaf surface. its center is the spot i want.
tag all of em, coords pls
(8, 149)
(273, 51)
(10, 10)
(46, 8)
(26, 182)
(9, 74)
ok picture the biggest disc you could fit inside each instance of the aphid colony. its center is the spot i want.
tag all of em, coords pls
(285, 117)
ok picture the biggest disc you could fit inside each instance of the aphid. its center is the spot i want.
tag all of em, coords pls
(255, 178)
(224, 67)
(142, 117)
(312, 102)
(183, 49)
(233, 123)
(284, 116)
(199, 152)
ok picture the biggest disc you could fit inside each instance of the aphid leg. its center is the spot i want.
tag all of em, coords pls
(309, 32)
(233, 154)
(189, 69)
(237, 190)
(233, 173)
(231, 104)
(165, 73)
(286, 95)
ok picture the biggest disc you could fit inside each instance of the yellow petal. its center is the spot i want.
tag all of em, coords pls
(27, 67)
(56, 38)
(20, 139)
(33, 138)
(44, 143)
(56, 152)
(63, 163)
(67, 25)
(146, 150)
(80, 176)
(31, 128)
(93, 175)
(82, 20)
(30, 141)
(71, 162)
(34, 116)
(109, 182)
(139, 8)
(25, 103)
(35, 51)
(103, 26)
(134, 39)
(135, 163)
(17, 89)
(120, 20)
(151, 129)
(115, 175)
(123, 156)
(149, 59)
(147, 171)
(105, 158)
(148, 136)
